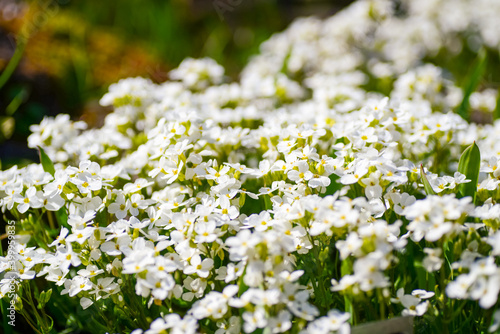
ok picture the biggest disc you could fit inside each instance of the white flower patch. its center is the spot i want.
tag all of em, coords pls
(305, 197)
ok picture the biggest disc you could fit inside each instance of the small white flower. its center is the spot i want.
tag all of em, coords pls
(29, 200)
(120, 207)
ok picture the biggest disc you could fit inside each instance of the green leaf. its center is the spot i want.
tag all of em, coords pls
(241, 200)
(496, 112)
(473, 80)
(333, 187)
(48, 294)
(427, 185)
(101, 217)
(47, 164)
(349, 308)
(469, 164)
(267, 202)
(62, 217)
(346, 268)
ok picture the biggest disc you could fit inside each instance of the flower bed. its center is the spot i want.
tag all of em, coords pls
(339, 182)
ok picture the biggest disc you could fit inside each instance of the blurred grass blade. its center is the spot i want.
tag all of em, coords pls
(427, 185)
(47, 164)
(469, 165)
(7, 127)
(12, 65)
(19, 99)
(472, 81)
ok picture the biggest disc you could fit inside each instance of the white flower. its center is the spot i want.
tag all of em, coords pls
(90, 271)
(302, 174)
(78, 284)
(138, 260)
(355, 173)
(201, 268)
(365, 136)
(264, 168)
(66, 257)
(401, 201)
(281, 323)
(432, 261)
(422, 294)
(459, 287)
(85, 302)
(350, 246)
(120, 207)
(234, 271)
(198, 73)
(373, 189)
(319, 181)
(137, 203)
(86, 183)
(77, 222)
(260, 222)
(53, 203)
(412, 304)
(29, 200)
(254, 320)
(138, 184)
(160, 286)
(81, 235)
(205, 232)
(56, 186)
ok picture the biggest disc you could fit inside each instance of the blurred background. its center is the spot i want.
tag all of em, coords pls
(60, 56)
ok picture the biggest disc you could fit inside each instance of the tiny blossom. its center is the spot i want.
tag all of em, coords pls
(30, 199)
(120, 207)
(201, 268)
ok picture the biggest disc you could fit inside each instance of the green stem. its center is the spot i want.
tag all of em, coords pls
(381, 300)
(6, 327)
(30, 321)
(51, 219)
(103, 317)
(486, 321)
(319, 268)
(446, 315)
(136, 305)
(40, 321)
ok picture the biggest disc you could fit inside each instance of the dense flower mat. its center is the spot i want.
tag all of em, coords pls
(336, 183)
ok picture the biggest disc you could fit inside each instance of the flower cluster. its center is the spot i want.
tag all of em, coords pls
(306, 197)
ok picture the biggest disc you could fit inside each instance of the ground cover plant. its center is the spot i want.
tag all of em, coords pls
(350, 175)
